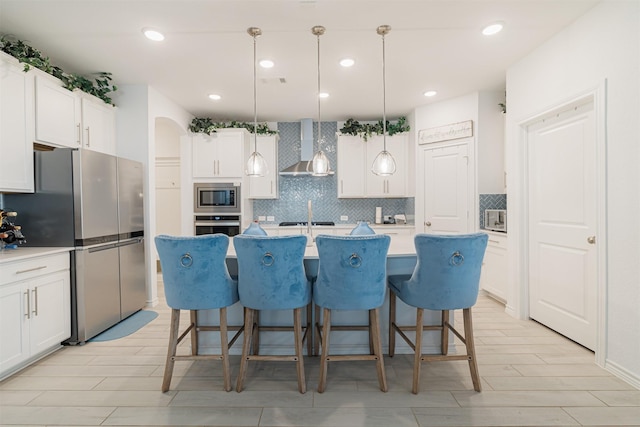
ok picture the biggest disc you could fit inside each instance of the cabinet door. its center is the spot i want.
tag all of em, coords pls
(351, 167)
(14, 325)
(50, 311)
(393, 185)
(265, 187)
(98, 126)
(57, 114)
(16, 127)
(204, 151)
(494, 267)
(230, 154)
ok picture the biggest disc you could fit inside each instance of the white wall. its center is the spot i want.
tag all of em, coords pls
(138, 108)
(602, 45)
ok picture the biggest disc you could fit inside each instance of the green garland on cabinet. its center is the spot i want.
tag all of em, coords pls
(100, 87)
(208, 126)
(366, 130)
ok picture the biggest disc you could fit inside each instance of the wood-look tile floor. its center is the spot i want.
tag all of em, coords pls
(530, 377)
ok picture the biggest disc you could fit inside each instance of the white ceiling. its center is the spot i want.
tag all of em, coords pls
(432, 45)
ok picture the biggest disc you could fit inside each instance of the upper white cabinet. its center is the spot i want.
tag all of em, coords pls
(98, 125)
(265, 187)
(355, 157)
(16, 126)
(220, 155)
(72, 119)
(57, 113)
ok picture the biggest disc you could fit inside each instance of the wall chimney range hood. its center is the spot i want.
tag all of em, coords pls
(306, 152)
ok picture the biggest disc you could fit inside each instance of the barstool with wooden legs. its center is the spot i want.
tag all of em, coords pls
(352, 275)
(195, 278)
(271, 276)
(446, 277)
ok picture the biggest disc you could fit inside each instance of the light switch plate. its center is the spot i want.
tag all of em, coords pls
(344, 217)
(262, 218)
(271, 218)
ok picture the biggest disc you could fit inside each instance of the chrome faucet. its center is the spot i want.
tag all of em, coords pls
(309, 222)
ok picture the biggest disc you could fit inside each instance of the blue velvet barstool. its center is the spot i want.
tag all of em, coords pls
(352, 275)
(362, 229)
(195, 277)
(446, 277)
(271, 276)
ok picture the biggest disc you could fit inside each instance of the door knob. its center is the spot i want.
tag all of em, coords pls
(591, 240)
(428, 224)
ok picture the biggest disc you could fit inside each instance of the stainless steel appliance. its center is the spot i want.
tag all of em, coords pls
(495, 219)
(216, 198)
(93, 202)
(212, 224)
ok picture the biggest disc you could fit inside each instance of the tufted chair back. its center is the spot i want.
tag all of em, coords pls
(254, 229)
(351, 272)
(271, 272)
(362, 229)
(447, 274)
(194, 272)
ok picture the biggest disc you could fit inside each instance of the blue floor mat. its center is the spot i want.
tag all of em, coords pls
(126, 326)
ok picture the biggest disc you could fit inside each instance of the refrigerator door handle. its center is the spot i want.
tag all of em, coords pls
(134, 241)
(102, 248)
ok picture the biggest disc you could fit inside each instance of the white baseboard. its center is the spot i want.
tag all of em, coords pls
(623, 373)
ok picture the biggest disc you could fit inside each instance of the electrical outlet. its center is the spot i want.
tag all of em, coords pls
(271, 218)
(344, 217)
(262, 218)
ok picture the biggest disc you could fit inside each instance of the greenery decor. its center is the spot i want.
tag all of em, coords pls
(208, 126)
(100, 87)
(365, 131)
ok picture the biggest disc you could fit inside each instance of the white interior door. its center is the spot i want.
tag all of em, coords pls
(562, 223)
(446, 189)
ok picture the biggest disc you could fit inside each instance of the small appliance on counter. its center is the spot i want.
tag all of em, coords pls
(388, 219)
(495, 220)
(400, 219)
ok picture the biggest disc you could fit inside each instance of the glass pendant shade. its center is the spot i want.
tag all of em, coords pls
(256, 165)
(320, 164)
(384, 164)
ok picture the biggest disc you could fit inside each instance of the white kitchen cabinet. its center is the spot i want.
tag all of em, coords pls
(355, 157)
(35, 309)
(58, 116)
(494, 266)
(16, 126)
(265, 187)
(351, 167)
(73, 119)
(220, 155)
(393, 185)
(98, 125)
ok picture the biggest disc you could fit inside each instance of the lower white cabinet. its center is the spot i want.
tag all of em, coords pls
(35, 309)
(494, 267)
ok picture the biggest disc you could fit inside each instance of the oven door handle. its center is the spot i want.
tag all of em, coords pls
(216, 223)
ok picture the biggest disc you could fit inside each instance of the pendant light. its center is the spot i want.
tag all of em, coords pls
(256, 165)
(384, 164)
(320, 162)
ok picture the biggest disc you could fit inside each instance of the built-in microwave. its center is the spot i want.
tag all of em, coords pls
(495, 219)
(216, 198)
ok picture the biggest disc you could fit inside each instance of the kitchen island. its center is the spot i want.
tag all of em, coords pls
(401, 259)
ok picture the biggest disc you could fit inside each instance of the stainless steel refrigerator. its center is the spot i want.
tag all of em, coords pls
(93, 202)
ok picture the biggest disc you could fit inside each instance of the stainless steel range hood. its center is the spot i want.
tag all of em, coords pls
(306, 152)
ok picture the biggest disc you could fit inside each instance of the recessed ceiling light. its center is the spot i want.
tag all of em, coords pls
(347, 62)
(430, 93)
(266, 63)
(323, 95)
(152, 34)
(214, 96)
(492, 29)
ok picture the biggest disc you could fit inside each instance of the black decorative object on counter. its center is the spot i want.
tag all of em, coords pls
(10, 233)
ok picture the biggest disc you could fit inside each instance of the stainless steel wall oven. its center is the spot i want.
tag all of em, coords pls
(212, 224)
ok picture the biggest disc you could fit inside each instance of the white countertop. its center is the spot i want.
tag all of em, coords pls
(9, 255)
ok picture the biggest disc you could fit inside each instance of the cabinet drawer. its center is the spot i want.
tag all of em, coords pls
(29, 268)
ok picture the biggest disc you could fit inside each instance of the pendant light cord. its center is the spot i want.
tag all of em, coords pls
(255, 97)
(384, 98)
(318, 31)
